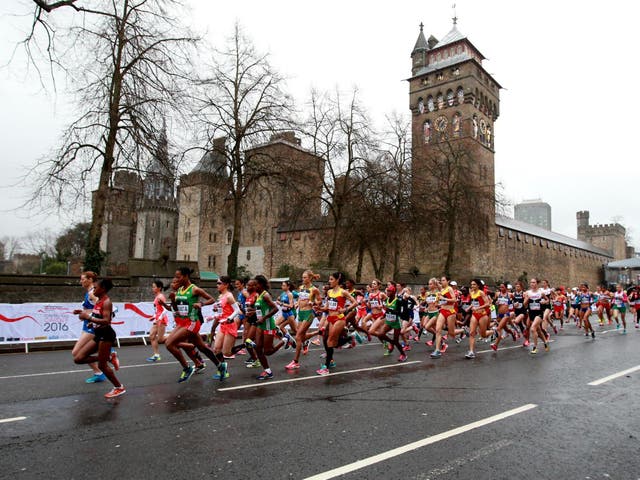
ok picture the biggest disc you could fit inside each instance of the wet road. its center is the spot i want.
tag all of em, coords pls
(503, 415)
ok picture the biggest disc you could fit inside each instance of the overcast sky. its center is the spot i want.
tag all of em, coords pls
(565, 134)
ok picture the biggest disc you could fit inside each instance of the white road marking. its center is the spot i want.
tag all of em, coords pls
(313, 377)
(84, 371)
(14, 419)
(381, 457)
(614, 376)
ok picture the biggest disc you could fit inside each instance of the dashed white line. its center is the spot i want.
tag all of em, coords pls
(14, 419)
(314, 377)
(381, 457)
(614, 376)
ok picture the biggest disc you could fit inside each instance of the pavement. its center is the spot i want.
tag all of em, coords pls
(506, 414)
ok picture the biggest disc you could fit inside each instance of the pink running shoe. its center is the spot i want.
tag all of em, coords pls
(402, 358)
(429, 343)
(443, 347)
(323, 371)
(526, 343)
(494, 347)
(292, 365)
(113, 359)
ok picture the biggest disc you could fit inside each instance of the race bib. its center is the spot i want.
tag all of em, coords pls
(534, 306)
(259, 314)
(183, 309)
(332, 304)
(391, 317)
(375, 304)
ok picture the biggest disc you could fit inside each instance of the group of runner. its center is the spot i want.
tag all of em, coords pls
(340, 316)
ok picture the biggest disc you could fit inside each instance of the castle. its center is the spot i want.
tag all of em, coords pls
(453, 101)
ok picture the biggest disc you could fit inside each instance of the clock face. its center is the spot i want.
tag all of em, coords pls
(483, 126)
(441, 123)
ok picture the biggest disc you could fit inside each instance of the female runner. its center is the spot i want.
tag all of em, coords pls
(287, 316)
(376, 304)
(620, 302)
(534, 299)
(520, 312)
(159, 319)
(447, 314)
(265, 309)
(431, 310)
(392, 322)
(87, 280)
(187, 308)
(480, 316)
(586, 299)
(336, 301)
(308, 298)
(227, 312)
(504, 311)
(104, 337)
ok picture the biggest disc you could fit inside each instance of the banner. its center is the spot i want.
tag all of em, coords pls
(48, 322)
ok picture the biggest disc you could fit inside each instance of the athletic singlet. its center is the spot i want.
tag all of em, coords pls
(558, 302)
(518, 300)
(284, 299)
(478, 301)
(375, 300)
(222, 308)
(534, 301)
(185, 299)
(503, 299)
(335, 302)
(159, 308)
(465, 303)
(96, 312)
(584, 298)
(620, 299)
(447, 293)
(391, 310)
(604, 298)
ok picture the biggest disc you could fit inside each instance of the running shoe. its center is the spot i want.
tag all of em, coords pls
(617, 326)
(555, 329)
(466, 331)
(287, 341)
(593, 335)
(154, 358)
(96, 378)
(546, 347)
(223, 370)
(316, 341)
(406, 348)
(525, 344)
(113, 360)
(305, 347)
(443, 347)
(115, 392)
(435, 354)
(470, 355)
(242, 352)
(514, 335)
(200, 368)
(358, 338)
(186, 374)
(323, 370)
(533, 351)
(265, 375)
(385, 349)
(250, 343)
(332, 363)
(402, 358)
(255, 364)
(459, 338)
(624, 331)
(216, 376)
(292, 365)
(416, 330)
(249, 361)
(230, 357)
(637, 325)
(494, 347)
(429, 343)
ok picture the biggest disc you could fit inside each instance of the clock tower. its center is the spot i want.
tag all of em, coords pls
(454, 104)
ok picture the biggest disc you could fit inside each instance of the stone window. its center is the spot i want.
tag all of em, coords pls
(518, 236)
(229, 237)
(526, 238)
(248, 255)
(510, 234)
(501, 232)
(534, 240)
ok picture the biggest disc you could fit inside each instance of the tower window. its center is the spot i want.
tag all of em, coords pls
(229, 237)
(248, 254)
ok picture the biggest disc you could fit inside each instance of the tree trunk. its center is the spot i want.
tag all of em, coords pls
(232, 259)
(360, 260)
(451, 246)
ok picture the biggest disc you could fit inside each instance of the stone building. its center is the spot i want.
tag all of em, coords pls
(284, 187)
(610, 237)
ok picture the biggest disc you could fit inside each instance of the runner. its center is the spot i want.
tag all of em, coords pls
(376, 316)
(447, 315)
(187, 307)
(287, 315)
(308, 298)
(521, 314)
(87, 280)
(159, 319)
(585, 299)
(392, 322)
(480, 316)
(104, 337)
(265, 309)
(226, 314)
(336, 308)
(620, 302)
(431, 310)
(505, 314)
(534, 299)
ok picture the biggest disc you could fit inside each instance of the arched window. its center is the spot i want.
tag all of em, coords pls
(460, 95)
(420, 105)
(440, 101)
(430, 105)
(450, 98)
(229, 237)
(248, 255)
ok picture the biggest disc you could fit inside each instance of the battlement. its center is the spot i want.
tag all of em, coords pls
(605, 229)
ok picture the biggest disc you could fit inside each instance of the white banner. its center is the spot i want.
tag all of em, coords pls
(47, 322)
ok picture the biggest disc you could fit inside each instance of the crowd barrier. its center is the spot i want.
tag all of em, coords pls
(28, 323)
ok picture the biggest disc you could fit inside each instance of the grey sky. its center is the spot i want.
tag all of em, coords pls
(565, 132)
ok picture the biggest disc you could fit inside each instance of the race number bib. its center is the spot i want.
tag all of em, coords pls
(332, 304)
(183, 309)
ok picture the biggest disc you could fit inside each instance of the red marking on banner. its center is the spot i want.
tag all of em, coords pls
(132, 307)
(11, 320)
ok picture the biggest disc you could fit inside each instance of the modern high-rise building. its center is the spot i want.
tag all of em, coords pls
(535, 212)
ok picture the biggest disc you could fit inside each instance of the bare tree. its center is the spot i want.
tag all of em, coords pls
(456, 193)
(133, 74)
(342, 136)
(243, 102)
(11, 246)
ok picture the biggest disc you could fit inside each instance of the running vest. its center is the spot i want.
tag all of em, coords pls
(374, 300)
(391, 308)
(518, 300)
(185, 298)
(335, 302)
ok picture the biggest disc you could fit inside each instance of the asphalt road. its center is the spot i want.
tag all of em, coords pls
(503, 415)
